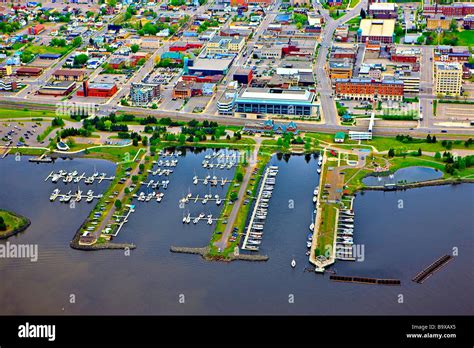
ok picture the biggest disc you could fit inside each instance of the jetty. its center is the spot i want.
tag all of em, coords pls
(254, 231)
(364, 280)
(431, 269)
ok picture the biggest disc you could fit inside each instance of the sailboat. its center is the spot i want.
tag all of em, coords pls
(293, 263)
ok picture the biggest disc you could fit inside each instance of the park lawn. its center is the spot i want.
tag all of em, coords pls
(115, 154)
(47, 49)
(12, 221)
(415, 161)
(384, 144)
(465, 37)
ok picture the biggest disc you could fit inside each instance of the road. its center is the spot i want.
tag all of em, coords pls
(324, 87)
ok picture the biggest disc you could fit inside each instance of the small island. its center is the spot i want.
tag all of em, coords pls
(11, 224)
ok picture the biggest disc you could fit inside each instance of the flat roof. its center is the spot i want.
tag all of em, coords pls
(275, 95)
(377, 27)
(382, 6)
(211, 64)
(106, 86)
(69, 72)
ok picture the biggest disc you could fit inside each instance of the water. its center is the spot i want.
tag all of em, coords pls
(398, 244)
(408, 175)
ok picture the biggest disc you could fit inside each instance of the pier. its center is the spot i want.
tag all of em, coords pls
(252, 236)
(364, 280)
(214, 181)
(431, 269)
(124, 219)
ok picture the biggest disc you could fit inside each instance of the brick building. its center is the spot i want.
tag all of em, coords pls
(366, 89)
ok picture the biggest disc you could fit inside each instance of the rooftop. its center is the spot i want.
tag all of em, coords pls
(268, 94)
(377, 27)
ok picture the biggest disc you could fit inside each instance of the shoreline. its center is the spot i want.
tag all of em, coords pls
(27, 223)
(413, 185)
(204, 252)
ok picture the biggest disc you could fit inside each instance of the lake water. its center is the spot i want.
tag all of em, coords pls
(398, 244)
(408, 175)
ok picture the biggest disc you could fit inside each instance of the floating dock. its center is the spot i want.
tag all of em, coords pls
(253, 237)
(431, 269)
(364, 280)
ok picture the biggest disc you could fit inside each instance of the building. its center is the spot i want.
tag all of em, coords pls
(69, 75)
(28, 71)
(339, 137)
(367, 89)
(298, 3)
(456, 10)
(243, 76)
(340, 69)
(437, 23)
(258, 102)
(383, 10)
(448, 78)
(57, 88)
(8, 85)
(207, 67)
(268, 52)
(376, 30)
(144, 93)
(36, 29)
(342, 33)
(100, 90)
(411, 82)
(405, 55)
(468, 22)
(225, 104)
(451, 54)
(225, 44)
(315, 19)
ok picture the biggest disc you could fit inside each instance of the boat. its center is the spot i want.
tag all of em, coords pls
(311, 227)
(293, 263)
(315, 199)
(318, 170)
(54, 195)
(89, 199)
(308, 244)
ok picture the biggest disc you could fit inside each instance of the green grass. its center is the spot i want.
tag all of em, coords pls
(47, 49)
(16, 113)
(384, 144)
(12, 221)
(115, 154)
(353, 3)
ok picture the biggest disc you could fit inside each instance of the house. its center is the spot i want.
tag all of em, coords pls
(339, 137)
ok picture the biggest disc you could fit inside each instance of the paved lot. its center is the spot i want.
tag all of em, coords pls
(455, 112)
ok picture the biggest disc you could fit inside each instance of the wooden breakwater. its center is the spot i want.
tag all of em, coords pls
(204, 252)
(365, 280)
(431, 269)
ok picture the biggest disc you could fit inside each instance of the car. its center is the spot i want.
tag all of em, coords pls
(444, 131)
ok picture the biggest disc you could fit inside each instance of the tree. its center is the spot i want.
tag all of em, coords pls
(437, 155)
(77, 41)
(391, 152)
(182, 138)
(145, 141)
(118, 204)
(362, 13)
(428, 138)
(3, 225)
(453, 26)
(135, 48)
(239, 177)
(135, 142)
(80, 59)
(141, 167)
(419, 151)
(233, 196)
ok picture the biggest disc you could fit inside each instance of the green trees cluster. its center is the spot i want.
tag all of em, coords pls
(3, 225)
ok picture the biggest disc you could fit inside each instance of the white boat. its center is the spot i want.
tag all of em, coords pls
(293, 263)
(54, 195)
(308, 244)
(89, 199)
(315, 199)
(316, 191)
(311, 227)
(318, 170)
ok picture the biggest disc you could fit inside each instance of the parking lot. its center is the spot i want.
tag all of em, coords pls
(23, 133)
